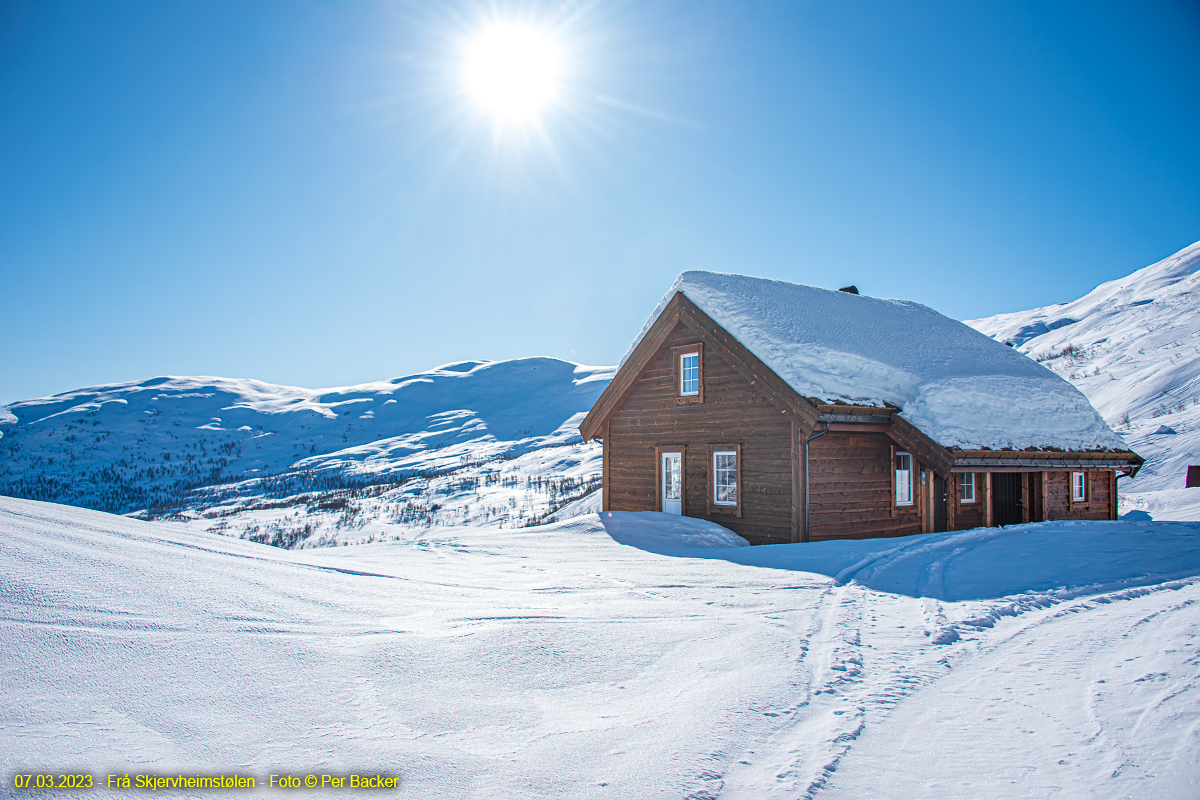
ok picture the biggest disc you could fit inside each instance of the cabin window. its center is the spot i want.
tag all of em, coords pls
(966, 487)
(1078, 487)
(904, 479)
(689, 374)
(725, 479)
(725, 473)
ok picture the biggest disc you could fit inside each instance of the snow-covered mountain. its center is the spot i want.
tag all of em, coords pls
(1131, 345)
(475, 441)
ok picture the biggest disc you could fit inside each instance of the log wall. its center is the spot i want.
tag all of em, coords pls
(1099, 496)
(1044, 495)
(733, 412)
(851, 489)
(851, 484)
(967, 515)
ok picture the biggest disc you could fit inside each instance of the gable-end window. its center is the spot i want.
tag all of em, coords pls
(1078, 487)
(725, 479)
(689, 373)
(904, 479)
(966, 487)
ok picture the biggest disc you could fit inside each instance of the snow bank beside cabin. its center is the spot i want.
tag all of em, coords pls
(955, 384)
(667, 533)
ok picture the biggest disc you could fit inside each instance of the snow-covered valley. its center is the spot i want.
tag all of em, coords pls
(467, 443)
(625, 656)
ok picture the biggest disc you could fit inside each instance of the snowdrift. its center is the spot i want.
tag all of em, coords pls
(477, 662)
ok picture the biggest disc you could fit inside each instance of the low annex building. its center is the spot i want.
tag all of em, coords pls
(790, 413)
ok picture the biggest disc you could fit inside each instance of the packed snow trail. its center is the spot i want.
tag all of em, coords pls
(636, 655)
(1094, 698)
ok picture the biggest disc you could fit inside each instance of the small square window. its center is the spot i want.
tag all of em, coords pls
(904, 479)
(1078, 487)
(966, 487)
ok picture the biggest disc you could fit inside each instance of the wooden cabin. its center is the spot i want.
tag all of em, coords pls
(696, 423)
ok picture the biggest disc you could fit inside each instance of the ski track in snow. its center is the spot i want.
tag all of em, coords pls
(556, 662)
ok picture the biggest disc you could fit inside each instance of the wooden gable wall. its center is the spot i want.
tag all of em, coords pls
(733, 412)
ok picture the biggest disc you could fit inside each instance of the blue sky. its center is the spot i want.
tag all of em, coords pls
(304, 192)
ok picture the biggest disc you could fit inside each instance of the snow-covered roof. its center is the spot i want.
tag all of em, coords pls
(1130, 345)
(958, 386)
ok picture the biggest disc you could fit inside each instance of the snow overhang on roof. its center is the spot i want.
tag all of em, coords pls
(959, 387)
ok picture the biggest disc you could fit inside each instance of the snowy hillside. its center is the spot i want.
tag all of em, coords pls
(629, 656)
(1133, 347)
(497, 441)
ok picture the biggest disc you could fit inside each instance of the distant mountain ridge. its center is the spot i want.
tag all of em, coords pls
(165, 443)
(1132, 345)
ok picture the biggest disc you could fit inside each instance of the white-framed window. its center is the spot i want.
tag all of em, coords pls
(725, 478)
(1078, 487)
(904, 479)
(689, 375)
(966, 487)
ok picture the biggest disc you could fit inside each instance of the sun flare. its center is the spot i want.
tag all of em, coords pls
(513, 71)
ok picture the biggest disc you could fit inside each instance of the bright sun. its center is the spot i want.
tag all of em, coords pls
(512, 71)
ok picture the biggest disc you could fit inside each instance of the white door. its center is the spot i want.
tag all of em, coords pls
(672, 483)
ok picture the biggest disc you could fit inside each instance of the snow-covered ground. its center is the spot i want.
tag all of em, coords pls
(1133, 347)
(623, 656)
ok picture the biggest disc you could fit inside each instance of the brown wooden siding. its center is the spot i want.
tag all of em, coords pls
(966, 515)
(1044, 495)
(1099, 493)
(852, 491)
(733, 412)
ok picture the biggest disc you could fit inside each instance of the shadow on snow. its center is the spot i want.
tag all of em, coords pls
(978, 564)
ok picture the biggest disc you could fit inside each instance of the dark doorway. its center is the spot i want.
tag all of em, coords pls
(1006, 498)
(1193, 477)
(939, 503)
